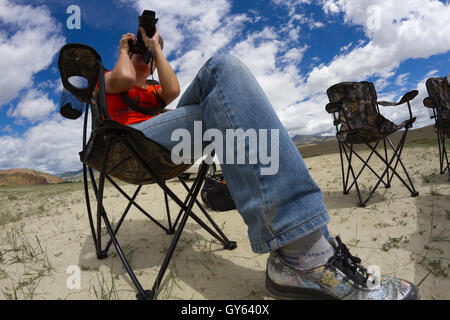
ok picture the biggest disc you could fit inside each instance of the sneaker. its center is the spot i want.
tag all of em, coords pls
(342, 277)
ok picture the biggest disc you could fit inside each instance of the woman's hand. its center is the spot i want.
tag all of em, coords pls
(123, 76)
(153, 42)
(123, 44)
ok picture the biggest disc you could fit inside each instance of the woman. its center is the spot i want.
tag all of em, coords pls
(284, 212)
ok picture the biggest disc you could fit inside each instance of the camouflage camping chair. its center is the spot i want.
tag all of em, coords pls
(124, 153)
(438, 103)
(358, 121)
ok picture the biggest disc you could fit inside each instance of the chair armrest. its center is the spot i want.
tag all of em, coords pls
(333, 107)
(428, 102)
(406, 98)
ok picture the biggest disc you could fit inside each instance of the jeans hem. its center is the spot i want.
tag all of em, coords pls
(297, 232)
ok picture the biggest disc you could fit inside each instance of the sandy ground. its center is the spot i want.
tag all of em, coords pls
(43, 247)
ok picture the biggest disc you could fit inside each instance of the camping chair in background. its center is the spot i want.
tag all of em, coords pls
(438, 104)
(124, 153)
(358, 121)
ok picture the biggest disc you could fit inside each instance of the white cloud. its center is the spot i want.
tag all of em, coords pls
(34, 106)
(419, 110)
(7, 129)
(407, 29)
(29, 40)
(191, 21)
(402, 79)
(404, 29)
(50, 146)
(274, 58)
(381, 84)
(346, 48)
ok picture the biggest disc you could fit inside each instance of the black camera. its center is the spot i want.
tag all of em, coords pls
(147, 21)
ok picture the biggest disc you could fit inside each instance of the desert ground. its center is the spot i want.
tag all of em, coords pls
(45, 236)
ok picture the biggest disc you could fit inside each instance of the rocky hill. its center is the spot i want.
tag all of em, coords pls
(300, 140)
(26, 177)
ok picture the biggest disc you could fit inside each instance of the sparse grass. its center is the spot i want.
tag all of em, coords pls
(3, 274)
(421, 142)
(88, 268)
(382, 225)
(354, 242)
(440, 237)
(426, 178)
(32, 256)
(392, 243)
(19, 202)
(171, 280)
(435, 266)
(106, 291)
(343, 219)
(434, 249)
(205, 258)
(435, 192)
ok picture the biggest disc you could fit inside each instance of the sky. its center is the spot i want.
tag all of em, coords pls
(296, 49)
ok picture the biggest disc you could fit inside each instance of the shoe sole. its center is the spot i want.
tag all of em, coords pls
(293, 293)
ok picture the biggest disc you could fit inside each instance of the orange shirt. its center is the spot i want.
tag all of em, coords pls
(121, 113)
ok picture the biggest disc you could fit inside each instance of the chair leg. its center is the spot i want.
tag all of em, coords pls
(137, 206)
(388, 184)
(366, 164)
(142, 294)
(229, 245)
(169, 220)
(344, 185)
(349, 156)
(396, 156)
(100, 210)
(88, 205)
(122, 218)
(177, 235)
(444, 164)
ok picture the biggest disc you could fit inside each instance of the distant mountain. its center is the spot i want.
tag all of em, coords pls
(308, 139)
(75, 175)
(72, 175)
(26, 177)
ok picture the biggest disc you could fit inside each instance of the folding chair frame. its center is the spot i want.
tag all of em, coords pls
(82, 61)
(181, 219)
(347, 150)
(443, 157)
(444, 164)
(438, 89)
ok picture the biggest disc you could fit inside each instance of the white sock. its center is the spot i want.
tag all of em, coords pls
(308, 252)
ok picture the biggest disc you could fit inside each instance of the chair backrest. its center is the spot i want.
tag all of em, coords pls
(79, 67)
(358, 104)
(439, 92)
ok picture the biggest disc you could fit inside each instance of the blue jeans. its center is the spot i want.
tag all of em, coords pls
(278, 208)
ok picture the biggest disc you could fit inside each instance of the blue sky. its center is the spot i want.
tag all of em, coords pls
(295, 48)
